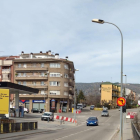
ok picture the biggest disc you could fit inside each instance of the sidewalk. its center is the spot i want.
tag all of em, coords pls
(127, 131)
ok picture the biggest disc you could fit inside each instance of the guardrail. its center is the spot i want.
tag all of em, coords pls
(16, 127)
(136, 134)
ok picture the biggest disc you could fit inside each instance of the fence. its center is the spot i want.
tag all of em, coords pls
(136, 134)
(16, 127)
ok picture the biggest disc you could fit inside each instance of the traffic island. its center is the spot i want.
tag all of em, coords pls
(9, 126)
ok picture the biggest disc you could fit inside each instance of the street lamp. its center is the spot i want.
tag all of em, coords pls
(75, 98)
(102, 22)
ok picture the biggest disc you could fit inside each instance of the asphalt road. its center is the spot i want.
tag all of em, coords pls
(105, 130)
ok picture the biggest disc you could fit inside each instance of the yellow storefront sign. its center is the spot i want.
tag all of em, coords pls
(4, 101)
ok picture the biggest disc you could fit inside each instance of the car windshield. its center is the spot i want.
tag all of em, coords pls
(92, 106)
(46, 114)
(105, 111)
(92, 118)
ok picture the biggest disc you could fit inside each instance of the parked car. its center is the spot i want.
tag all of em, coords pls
(47, 115)
(105, 113)
(42, 110)
(92, 121)
(26, 110)
(92, 107)
(79, 107)
(35, 110)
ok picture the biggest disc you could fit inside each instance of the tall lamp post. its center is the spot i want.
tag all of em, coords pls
(75, 98)
(102, 22)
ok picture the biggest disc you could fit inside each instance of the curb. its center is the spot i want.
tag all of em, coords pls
(16, 133)
(116, 132)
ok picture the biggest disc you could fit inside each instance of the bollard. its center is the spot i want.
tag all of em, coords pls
(20, 126)
(48, 119)
(34, 125)
(63, 122)
(10, 127)
(1, 127)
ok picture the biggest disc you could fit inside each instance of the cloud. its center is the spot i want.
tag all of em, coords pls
(65, 27)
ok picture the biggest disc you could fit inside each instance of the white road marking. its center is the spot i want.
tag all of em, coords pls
(74, 134)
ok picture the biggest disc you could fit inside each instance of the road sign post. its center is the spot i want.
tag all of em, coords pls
(121, 102)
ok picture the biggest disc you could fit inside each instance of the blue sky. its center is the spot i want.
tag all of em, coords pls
(65, 27)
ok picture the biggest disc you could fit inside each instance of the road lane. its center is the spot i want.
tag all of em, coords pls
(107, 126)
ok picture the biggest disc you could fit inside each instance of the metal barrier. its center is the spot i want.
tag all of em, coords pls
(16, 127)
(136, 134)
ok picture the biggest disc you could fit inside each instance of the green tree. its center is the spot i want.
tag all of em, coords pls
(81, 96)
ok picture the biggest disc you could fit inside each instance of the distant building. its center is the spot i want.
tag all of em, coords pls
(109, 93)
(53, 76)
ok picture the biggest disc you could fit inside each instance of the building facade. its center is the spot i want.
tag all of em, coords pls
(110, 93)
(7, 71)
(53, 76)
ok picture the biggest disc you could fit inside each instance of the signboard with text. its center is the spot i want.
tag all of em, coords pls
(4, 101)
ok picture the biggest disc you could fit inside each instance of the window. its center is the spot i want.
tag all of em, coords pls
(54, 65)
(34, 64)
(66, 84)
(66, 66)
(42, 92)
(42, 83)
(54, 83)
(54, 74)
(66, 75)
(19, 74)
(24, 65)
(19, 82)
(42, 65)
(24, 83)
(34, 83)
(54, 92)
(66, 93)
(42, 73)
(24, 74)
(19, 65)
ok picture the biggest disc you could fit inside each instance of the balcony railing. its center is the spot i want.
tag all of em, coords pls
(37, 85)
(31, 77)
(6, 70)
(31, 68)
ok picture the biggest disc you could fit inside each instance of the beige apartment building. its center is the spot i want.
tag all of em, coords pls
(53, 76)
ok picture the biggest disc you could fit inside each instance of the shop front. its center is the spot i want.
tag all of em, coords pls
(39, 104)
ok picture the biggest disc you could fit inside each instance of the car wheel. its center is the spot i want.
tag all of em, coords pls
(97, 124)
(87, 124)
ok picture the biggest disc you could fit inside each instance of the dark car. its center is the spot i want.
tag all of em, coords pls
(92, 121)
(42, 110)
(92, 107)
(35, 110)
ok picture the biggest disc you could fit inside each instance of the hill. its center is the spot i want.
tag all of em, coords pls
(93, 88)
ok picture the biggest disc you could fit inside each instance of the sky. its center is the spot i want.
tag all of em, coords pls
(65, 27)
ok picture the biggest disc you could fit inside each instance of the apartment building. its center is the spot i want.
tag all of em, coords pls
(110, 93)
(53, 76)
(7, 71)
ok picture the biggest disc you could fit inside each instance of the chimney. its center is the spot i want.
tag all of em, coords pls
(22, 52)
(67, 57)
(31, 55)
(49, 52)
(40, 51)
(57, 55)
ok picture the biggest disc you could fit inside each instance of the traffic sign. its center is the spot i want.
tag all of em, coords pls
(121, 101)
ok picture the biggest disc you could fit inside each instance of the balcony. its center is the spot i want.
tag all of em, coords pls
(114, 95)
(29, 68)
(115, 89)
(39, 95)
(6, 71)
(32, 77)
(6, 80)
(37, 86)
